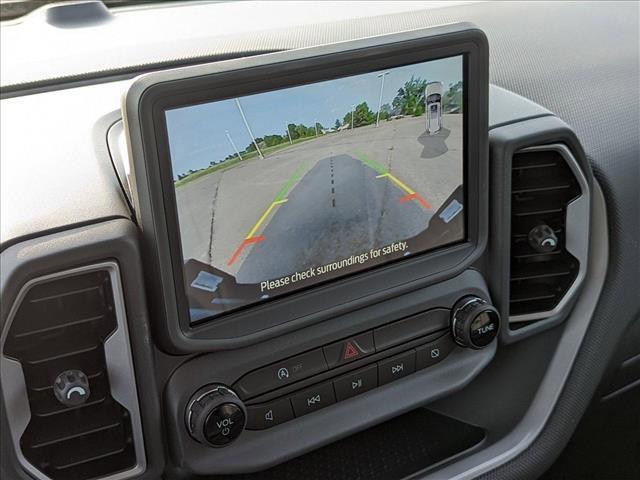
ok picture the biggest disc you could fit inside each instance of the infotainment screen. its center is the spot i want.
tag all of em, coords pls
(285, 189)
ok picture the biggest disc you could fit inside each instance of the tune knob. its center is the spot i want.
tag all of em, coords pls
(474, 322)
(215, 416)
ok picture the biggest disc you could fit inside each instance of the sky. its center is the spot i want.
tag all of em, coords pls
(197, 134)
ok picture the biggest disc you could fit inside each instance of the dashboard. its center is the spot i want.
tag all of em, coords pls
(397, 246)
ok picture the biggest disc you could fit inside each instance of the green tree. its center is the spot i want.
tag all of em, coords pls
(410, 98)
(337, 124)
(291, 128)
(252, 147)
(362, 115)
(346, 120)
(271, 140)
(385, 111)
(453, 98)
(304, 131)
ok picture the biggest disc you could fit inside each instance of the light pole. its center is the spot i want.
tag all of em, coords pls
(380, 75)
(246, 124)
(233, 144)
(289, 134)
(353, 107)
(316, 125)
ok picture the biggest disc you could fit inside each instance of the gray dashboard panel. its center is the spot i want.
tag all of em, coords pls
(544, 68)
(50, 254)
(119, 363)
(506, 107)
(52, 173)
(257, 450)
(525, 432)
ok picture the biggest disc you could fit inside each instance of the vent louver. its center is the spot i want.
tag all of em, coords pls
(542, 186)
(61, 325)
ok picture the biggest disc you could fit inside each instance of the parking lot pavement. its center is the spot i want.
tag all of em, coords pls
(219, 210)
(339, 208)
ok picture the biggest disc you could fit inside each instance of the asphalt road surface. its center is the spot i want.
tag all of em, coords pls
(338, 208)
(217, 211)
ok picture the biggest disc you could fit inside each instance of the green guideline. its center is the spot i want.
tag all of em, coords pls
(297, 175)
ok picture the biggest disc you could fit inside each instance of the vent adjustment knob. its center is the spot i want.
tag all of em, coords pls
(543, 239)
(71, 388)
(474, 322)
(215, 416)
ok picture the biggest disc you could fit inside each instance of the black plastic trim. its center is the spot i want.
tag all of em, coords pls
(155, 202)
(504, 142)
(113, 240)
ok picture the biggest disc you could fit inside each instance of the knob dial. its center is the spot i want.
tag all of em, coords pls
(474, 322)
(543, 239)
(215, 416)
(71, 388)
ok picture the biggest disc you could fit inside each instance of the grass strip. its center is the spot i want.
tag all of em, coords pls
(368, 161)
(245, 156)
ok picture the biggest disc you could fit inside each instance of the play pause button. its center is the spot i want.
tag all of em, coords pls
(355, 383)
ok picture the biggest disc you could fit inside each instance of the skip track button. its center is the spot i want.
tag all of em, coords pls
(396, 367)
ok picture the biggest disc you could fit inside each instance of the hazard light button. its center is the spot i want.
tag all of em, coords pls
(349, 349)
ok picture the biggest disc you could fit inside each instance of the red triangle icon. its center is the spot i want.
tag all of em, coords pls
(350, 351)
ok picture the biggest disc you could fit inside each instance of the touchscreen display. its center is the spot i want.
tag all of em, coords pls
(286, 189)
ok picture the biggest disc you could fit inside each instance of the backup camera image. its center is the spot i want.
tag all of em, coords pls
(282, 190)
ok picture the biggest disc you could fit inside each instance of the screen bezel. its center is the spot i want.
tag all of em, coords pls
(174, 226)
(154, 192)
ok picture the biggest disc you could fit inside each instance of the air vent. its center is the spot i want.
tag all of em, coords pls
(62, 324)
(543, 269)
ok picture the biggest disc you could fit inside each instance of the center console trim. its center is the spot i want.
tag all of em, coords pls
(543, 404)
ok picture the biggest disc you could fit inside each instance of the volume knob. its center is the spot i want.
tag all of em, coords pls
(215, 416)
(474, 322)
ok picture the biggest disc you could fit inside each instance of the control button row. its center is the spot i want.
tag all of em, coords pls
(348, 350)
(269, 414)
(348, 385)
(412, 327)
(282, 373)
(339, 353)
(356, 382)
(417, 359)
